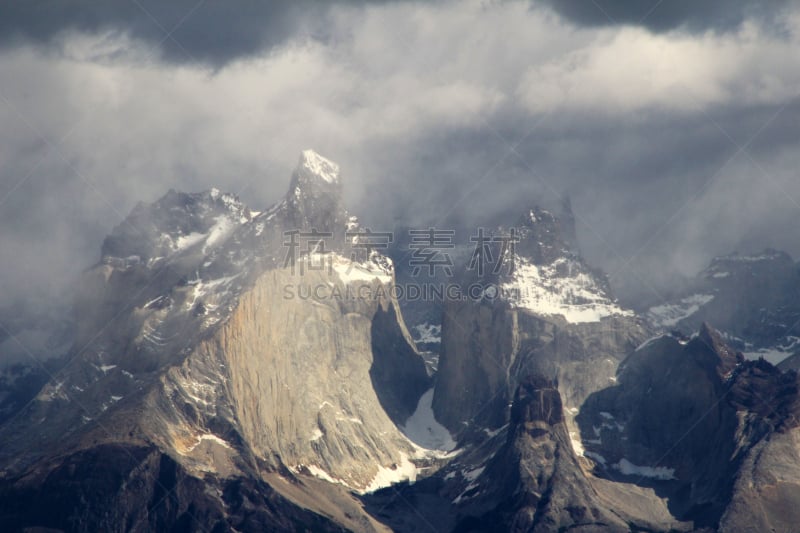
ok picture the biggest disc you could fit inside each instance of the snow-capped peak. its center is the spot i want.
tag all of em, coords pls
(316, 165)
(565, 287)
(547, 275)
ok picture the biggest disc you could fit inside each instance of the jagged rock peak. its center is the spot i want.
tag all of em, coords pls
(549, 277)
(315, 165)
(175, 222)
(537, 400)
(725, 358)
(315, 175)
(713, 339)
(544, 237)
(315, 197)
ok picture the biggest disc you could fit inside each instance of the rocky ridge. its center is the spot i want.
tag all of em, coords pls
(752, 299)
(214, 360)
(546, 312)
(225, 377)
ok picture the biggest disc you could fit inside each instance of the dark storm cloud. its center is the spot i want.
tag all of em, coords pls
(655, 198)
(210, 31)
(665, 15)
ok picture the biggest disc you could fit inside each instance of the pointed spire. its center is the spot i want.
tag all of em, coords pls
(315, 198)
(313, 164)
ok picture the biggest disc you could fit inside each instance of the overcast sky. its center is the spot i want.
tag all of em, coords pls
(672, 125)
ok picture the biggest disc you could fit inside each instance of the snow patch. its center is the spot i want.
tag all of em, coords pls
(405, 471)
(659, 472)
(349, 271)
(771, 355)
(353, 271)
(211, 437)
(319, 166)
(53, 391)
(187, 241)
(428, 333)
(560, 288)
(577, 445)
(155, 300)
(470, 476)
(202, 289)
(423, 429)
(321, 474)
(219, 232)
(221, 229)
(668, 315)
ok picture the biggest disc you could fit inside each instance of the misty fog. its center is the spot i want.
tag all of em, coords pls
(675, 139)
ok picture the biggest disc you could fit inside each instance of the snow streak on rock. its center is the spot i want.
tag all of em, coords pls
(560, 288)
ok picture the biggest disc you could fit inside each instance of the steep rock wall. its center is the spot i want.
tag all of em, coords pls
(297, 374)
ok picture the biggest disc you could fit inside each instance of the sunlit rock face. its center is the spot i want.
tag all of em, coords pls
(208, 338)
(245, 370)
(544, 312)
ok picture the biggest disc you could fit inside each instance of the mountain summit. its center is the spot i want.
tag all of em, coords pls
(224, 366)
(547, 276)
(234, 370)
(314, 199)
(551, 315)
(312, 165)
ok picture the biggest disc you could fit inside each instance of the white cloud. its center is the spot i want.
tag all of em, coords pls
(629, 69)
(387, 82)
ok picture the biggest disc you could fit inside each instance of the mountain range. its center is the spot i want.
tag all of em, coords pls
(222, 368)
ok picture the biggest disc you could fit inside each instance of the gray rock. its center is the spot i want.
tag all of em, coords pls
(199, 341)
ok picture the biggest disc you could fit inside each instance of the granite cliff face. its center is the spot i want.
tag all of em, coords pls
(691, 437)
(546, 313)
(204, 346)
(572, 415)
(691, 417)
(240, 370)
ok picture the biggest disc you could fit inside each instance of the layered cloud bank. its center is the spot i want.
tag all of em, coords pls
(674, 134)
